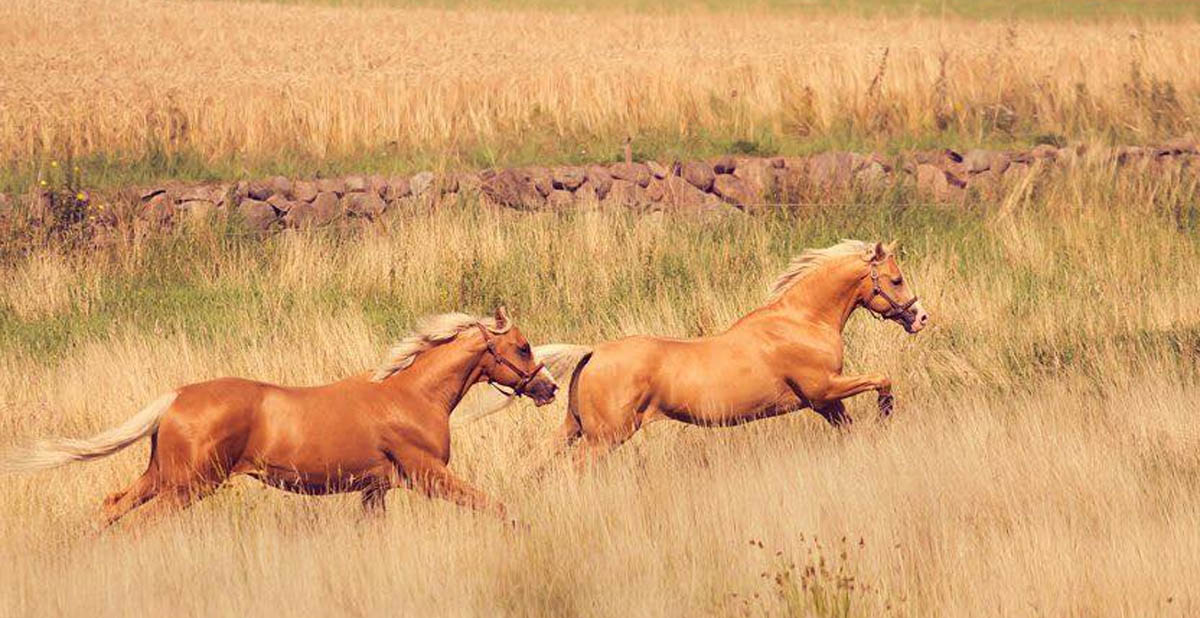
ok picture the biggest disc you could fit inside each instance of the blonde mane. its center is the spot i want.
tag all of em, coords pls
(804, 264)
(432, 331)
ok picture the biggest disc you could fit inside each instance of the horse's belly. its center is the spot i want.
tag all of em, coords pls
(318, 476)
(721, 410)
(315, 462)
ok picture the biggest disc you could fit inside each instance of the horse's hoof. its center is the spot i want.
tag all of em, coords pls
(886, 404)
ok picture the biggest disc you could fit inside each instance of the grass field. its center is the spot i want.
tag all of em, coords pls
(1045, 457)
(144, 90)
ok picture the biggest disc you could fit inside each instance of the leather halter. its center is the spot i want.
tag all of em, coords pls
(896, 311)
(526, 377)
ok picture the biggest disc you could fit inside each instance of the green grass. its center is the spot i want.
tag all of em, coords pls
(214, 286)
(114, 171)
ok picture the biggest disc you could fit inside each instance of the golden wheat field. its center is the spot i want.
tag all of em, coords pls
(218, 87)
(1044, 458)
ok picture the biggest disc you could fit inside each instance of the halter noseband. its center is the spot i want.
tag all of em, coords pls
(903, 312)
(526, 377)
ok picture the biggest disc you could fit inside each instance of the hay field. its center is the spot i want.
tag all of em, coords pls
(1044, 459)
(135, 90)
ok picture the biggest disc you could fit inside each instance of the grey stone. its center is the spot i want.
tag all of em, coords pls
(259, 190)
(637, 173)
(300, 216)
(304, 191)
(258, 215)
(600, 179)
(512, 188)
(699, 174)
(568, 178)
(364, 204)
(725, 165)
(325, 208)
(421, 183)
(331, 185)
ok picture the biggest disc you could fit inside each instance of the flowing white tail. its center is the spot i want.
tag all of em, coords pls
(56, 452)
(560, 360)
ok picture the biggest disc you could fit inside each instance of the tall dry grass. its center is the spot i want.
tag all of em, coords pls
(1045, 458)
(267, 86)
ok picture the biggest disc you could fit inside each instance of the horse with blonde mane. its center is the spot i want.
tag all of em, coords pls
(368, 432)
(782, 357)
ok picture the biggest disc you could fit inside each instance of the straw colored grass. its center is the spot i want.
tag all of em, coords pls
(1044, 459)
(200, 88)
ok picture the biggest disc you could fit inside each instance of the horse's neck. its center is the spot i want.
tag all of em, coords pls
(443, 374)
(826, 296)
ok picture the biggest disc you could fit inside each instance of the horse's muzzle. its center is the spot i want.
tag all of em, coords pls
(914, 318)
(541, 390)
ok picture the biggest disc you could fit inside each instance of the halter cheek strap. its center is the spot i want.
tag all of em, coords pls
(525, 377)
(896, 311)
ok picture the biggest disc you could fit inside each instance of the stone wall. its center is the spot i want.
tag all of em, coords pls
(726, 184)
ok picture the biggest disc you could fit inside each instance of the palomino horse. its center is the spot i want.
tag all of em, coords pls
(784, 356)
(365, 433)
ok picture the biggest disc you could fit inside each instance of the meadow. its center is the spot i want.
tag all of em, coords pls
(1044, 459)
(137, 91)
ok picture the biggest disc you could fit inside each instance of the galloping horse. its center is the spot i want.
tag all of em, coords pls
(365, 433)
(782, 357)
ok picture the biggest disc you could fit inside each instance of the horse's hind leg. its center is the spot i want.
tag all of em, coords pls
(567, 434)
(564, 437)
(594, 448)
(374, 497)
(120, 503)
(173, 499)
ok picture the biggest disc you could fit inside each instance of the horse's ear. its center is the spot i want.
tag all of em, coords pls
(892, 247)
(502, 321)
(878, 253)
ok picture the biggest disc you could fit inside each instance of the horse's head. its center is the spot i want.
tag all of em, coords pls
(885, 292)
(509, 362)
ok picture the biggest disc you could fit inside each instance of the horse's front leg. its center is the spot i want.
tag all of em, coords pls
(834, 412)
(432, 478)
(841, 387)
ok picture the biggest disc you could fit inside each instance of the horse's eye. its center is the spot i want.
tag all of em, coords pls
(525, 351)
(898, 280)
